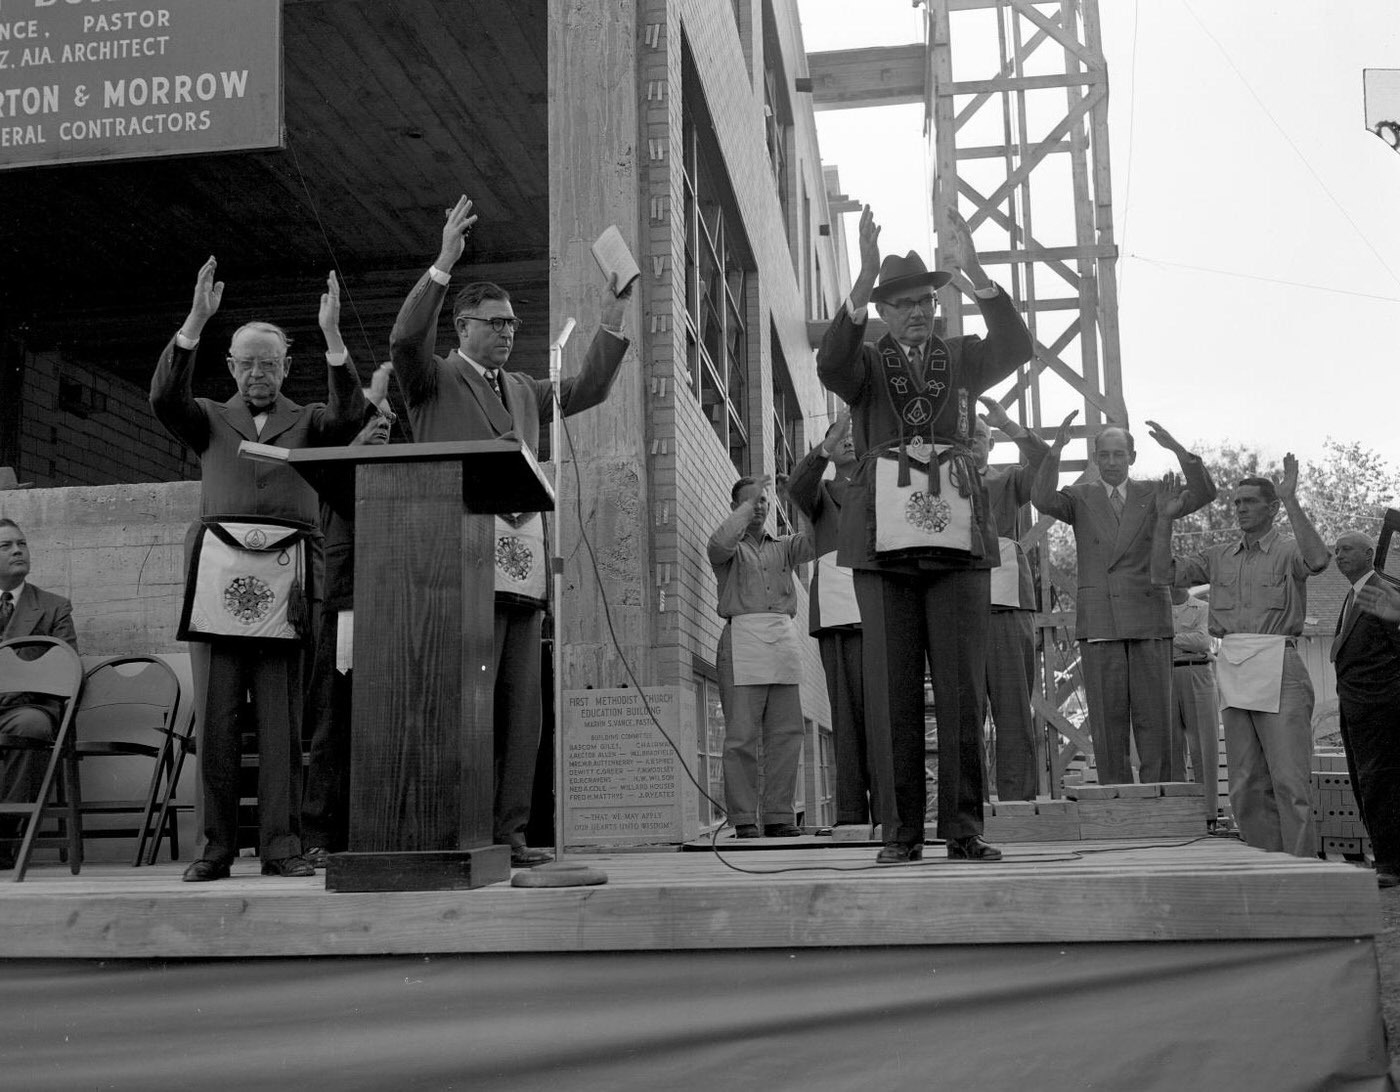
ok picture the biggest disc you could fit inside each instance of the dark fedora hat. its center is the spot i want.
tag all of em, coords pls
(897, 274)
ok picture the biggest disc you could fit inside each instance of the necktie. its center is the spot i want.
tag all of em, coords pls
(494, 378)
(916, 363)
(1115, 500)
(7, 610)
(1347, 608)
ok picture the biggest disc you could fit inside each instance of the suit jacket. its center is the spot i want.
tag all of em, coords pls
(1367, 655)
(40, 614)
(449, 400)
(851, 369)
(1117, 599)
(234, 486)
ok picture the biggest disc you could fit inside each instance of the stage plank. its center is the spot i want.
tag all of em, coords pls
(1210, 889)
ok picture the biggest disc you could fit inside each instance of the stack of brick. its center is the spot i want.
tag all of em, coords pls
(1338, 818)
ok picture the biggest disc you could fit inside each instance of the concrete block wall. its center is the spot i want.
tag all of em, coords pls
(116, 551)
(118, 441)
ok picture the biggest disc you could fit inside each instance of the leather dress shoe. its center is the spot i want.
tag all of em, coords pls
(746, 830)
(287, 866)
(202, 871)
(316, 856)
(899, 853)
(523, 856)
(782, 830)
(972, 848)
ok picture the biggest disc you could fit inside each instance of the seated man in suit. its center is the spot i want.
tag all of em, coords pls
(1122, 620)
(25, 611)
(470, 394)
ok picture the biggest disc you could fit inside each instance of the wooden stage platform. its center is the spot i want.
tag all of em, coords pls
(1068, 966)
(808, 893)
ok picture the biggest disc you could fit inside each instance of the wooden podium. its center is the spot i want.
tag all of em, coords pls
(422, 739)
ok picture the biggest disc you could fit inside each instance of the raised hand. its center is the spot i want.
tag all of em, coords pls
(1062, 433)
(1171, 496)
(869, 244)
(836, 435)
(208, 294)
(1163, 437)
(962, 254)
(379, 383)
(329, 315)
(458, 223)
(1288, 488)
(1383, 601)
(996, 414)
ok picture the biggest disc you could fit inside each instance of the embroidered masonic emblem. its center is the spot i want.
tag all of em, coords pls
(927, 512)
(514, 557)
(918, 411)
(248, 599)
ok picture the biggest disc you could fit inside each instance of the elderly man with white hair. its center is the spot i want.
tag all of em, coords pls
(1366, 651)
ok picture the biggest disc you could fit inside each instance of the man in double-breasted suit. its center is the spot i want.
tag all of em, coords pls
(1366, 651)
(470, 394)
(1123, 621)
(226, 669)
(25, 611)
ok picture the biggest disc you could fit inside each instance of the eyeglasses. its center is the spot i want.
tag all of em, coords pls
(500, 325)
(244, 364)
(904, 306)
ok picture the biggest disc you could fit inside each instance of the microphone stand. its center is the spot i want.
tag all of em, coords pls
(556, 579)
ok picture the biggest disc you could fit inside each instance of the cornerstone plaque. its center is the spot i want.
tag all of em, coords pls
(624, 784)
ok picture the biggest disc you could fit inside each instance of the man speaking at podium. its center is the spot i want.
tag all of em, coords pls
(471, 395)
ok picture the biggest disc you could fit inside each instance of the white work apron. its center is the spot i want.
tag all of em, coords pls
(836, 593)
(1249, 671)
(766, 649)
(1006, 577)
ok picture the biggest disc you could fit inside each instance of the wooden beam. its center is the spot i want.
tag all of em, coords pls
(843, 79)
(1000, 151)
(1025, 83)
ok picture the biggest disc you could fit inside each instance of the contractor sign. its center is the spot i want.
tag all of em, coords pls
(84, 80)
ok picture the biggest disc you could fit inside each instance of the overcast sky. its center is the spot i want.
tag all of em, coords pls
(1258, 222)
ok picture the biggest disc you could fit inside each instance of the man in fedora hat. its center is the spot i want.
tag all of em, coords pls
(915, 528)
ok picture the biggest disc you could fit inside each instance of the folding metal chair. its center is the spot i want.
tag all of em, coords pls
(47, 667)
(130, 708)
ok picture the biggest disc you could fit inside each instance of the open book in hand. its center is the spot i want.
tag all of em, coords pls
(615, 260)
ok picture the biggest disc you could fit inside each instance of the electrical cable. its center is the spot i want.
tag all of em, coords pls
(1296, 150)
(887, 869)
(330, 250)
(1266, 280)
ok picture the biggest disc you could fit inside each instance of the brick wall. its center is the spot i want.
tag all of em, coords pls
(690, 470)
(82, 426)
